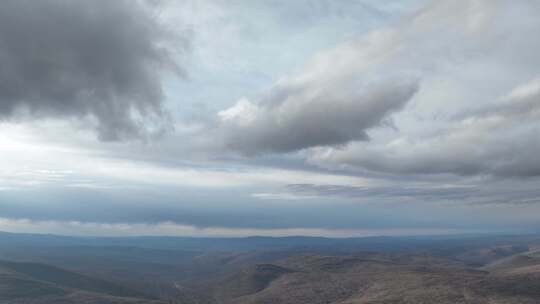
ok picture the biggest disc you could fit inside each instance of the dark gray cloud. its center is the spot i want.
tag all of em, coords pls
(84, 59)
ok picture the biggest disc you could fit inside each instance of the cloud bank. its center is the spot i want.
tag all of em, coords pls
(84, 59)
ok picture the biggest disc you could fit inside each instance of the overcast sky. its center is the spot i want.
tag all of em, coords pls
(269, 117)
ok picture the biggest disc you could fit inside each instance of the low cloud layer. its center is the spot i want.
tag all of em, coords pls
(84, 59)
(466, 194)
(296, 118)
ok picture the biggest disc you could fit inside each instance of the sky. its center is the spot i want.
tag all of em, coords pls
(269, 117)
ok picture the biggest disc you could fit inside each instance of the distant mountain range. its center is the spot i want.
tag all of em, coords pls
(43, 269)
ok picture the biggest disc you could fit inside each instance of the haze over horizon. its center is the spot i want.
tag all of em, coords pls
(269, 118)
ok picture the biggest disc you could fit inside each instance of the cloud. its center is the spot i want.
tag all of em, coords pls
(85, 59)
(478, 109)
(431, 193)
(76, 228)
(465, 193)
(499, 140)
(335, 99)
(344, 93)
(418, 120)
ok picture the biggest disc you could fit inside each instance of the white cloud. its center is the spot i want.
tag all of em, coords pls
(29, 162)
(172, 229)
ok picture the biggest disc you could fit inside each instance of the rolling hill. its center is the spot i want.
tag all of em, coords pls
(353, 280)
(40, 283)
